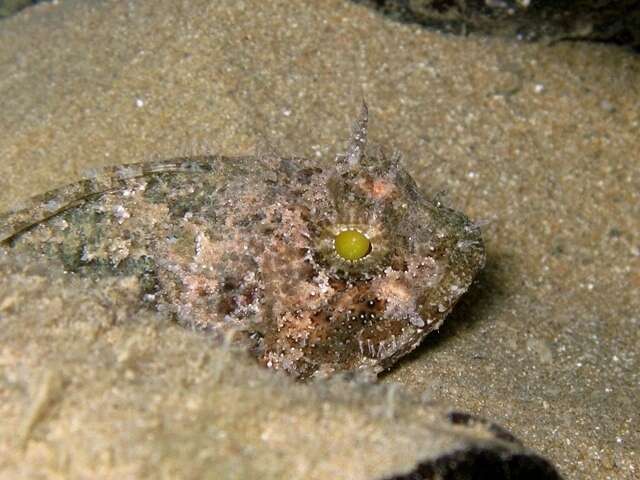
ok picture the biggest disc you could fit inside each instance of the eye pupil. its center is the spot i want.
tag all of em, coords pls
(352, 245)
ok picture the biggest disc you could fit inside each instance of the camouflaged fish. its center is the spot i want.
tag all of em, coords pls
(317, 270)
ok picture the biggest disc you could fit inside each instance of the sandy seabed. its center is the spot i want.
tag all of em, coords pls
(539, 143)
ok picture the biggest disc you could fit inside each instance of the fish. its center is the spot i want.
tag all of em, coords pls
(315, 268)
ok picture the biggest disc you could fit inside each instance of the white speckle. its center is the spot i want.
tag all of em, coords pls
(87, 256)
(538, 88)
(200, 239)
(120, 213)
(139, 103)
(286, 112)
(60, 223)
(607, 106)
(317, 150)
(466, 244)
(416, 321)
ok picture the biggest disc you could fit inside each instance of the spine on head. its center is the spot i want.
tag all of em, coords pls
(358, 142)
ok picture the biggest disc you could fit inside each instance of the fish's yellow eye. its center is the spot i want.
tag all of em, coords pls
(352, 245)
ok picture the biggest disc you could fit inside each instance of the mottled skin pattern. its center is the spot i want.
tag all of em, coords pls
(247, 245)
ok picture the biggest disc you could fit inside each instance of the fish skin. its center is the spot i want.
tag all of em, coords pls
(245, 245)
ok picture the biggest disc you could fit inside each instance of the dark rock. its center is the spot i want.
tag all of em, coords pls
(548, 20)
(9, 7)
(503, 460)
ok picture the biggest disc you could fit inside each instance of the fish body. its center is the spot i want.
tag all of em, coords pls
(248, 245)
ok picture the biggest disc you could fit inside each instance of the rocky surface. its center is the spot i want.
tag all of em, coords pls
(539, 143)
(9, 7)
(547, 20)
